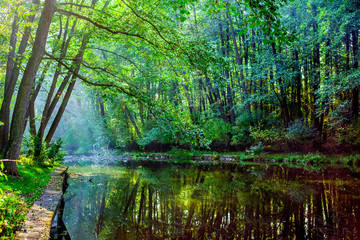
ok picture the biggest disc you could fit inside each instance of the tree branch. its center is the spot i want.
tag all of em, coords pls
(87, 81)
(116, 54)
(98, 25)
(145, 20)
(84, 6)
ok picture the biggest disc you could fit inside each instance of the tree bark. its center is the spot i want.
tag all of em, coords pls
(316, 81)
(4, 115)
(298, 86)
(13, 38)
(355, 90)
(51, 103)
(61, 111)
(131, 119)
(229, 91)
(22, 101)
(239, 62)
(10, 85)
(77, 65)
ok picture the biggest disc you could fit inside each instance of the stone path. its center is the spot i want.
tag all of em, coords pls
(38, 220)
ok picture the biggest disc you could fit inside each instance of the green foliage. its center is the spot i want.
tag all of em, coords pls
(18, 194)
(50, 155)
(340, 115)
(216, 130)
(268, 135)
(313, 158)
(158, 134)
(349, 135)
(299, 131)
(12, 213)
(2, 175)
(257, 149)
(54, 152)
(181, 73)
(242, 130)
(174, 131)
(85, 117)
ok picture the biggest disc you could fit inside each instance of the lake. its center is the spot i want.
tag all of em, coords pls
(222, 201)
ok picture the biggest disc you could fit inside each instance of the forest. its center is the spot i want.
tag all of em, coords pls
(224, 75)
(181, 119)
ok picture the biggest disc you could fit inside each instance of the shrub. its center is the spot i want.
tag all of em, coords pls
(242, 130)
(175, 132)
(349, 135)
(12, 213)
(257, 149)
(54, 152)
(49, 154)
(216, 130)
(300, 132)
(267, 136)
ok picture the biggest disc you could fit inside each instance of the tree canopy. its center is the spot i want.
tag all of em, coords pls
(224, 75)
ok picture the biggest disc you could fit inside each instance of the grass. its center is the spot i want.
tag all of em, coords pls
(18, 194)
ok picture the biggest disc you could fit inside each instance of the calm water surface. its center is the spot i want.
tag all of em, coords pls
(212, 202)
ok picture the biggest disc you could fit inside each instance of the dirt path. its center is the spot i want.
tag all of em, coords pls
(38, 220)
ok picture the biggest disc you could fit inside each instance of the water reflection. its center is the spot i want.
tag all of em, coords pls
(228, 202)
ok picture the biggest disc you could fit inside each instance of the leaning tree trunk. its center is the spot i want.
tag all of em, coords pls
(23, 97)
(11, 83)
(75, 70)
(9, 69)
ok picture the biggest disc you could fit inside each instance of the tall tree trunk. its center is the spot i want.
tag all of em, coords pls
(22, 101)
(298, 86)
(210, 90)
(61, 111)
(316, 80)
(11, 57)
(76, 67)
(11, 83)
(73, 73)
(132, 120)
(46, 114)
(194, 118)
(239, 62)
(4, 115)
(102, 110)
(34, 93)
(283, 97)
(355, 90)
(50, 102)
(229, 92)
(141, 113)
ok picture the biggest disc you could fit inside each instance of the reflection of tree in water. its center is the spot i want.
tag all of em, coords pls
(235, 202)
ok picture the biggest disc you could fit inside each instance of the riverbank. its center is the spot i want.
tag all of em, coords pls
(17, 195)
(312, 160)
(39, 217)
(299, 159)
